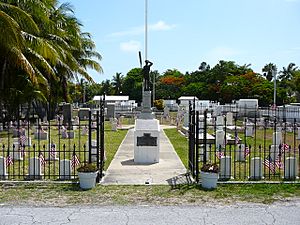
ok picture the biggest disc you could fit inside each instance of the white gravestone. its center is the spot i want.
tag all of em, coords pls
(146, 141)
(166, 112)
(65, 169)
(35, 169)
(220, 138)
(256, 168)
(277, 138)
(229, 119)
(3, 173)
(42, 135)
(201, 150)
(240, 153)
(249, 130)
(16, 152)
(225, 167)
(186, 119)
(290, 168)
(298, 136)
(274, 151)
(114, 124)
(220, 122)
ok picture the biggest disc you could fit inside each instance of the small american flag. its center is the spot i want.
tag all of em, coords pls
(268, 162)
(246, 151)
(236, 138)
(22, 139)
(53, 150)
(285, 147)
(219, 153)
(42, 159)
(74, 161)
(9, 161)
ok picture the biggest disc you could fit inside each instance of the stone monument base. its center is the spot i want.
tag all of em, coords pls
(146, 141)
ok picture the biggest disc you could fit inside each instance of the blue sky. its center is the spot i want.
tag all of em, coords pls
(182, 34)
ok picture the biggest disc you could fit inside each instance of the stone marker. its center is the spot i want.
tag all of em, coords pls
(256, 168)
(249, 130)
(290, 168)
(65, 169)
(277, 138)
(225, 167)
(240, 153)
(229, 119)
(220, 138)
(35, 169)
(3, 173)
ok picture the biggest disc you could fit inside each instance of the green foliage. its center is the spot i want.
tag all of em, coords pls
(88, 168)
(159, 104)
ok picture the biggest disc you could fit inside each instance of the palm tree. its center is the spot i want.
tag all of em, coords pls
(287, 73)
(117, 83)
(268, 71)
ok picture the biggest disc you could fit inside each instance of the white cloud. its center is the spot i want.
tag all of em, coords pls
(130, 46)
(159, 26)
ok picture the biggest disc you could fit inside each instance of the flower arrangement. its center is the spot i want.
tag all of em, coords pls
(88, 168)
(210, 168)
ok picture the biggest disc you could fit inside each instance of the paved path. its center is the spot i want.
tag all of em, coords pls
(123, 170)
(238, 214)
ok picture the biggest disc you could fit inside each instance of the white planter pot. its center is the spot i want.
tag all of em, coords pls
(87, 180)
(209, 180)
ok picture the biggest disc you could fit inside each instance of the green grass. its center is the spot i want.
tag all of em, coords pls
(71, 194)
(180, 144)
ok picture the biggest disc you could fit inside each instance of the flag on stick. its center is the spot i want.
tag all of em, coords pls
(268, 162)
(42, 159)
(74, 161)
(9, 161)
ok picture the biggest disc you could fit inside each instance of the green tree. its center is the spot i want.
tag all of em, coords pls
(268, 71)
(117, 83)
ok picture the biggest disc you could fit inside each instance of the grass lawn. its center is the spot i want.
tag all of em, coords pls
(70, 194)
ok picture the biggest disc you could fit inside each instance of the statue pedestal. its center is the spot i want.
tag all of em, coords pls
(146, 112)
(146, 141)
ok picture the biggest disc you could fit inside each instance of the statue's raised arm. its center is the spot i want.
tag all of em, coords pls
(146, 75)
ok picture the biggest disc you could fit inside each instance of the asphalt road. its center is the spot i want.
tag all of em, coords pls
(241, 213)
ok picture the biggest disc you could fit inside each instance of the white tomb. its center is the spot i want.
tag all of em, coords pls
(277, 138)
(35, 169)
(225, 167)
(229, 119)
(256, 168)
(16, 153)
(65, 169)
(3, 173)
(274, 152)
(290, 168)
(249, 130)
(220, 121)
(146, 141)
(41, 135)
(298, 134)
(220, 138)
(240, 153)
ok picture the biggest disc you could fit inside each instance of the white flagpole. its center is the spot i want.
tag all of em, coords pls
(146, 29)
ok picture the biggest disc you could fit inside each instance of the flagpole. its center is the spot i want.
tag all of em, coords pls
(146, 29)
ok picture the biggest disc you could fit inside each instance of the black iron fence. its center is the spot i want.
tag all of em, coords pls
(32, 148)
(259, 146)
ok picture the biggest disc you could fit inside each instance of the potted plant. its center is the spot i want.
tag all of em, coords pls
(209, 175)
(87, 176)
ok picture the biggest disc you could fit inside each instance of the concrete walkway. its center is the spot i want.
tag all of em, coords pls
(123, 170)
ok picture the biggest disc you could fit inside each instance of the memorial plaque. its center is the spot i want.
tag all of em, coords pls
(146, 140)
